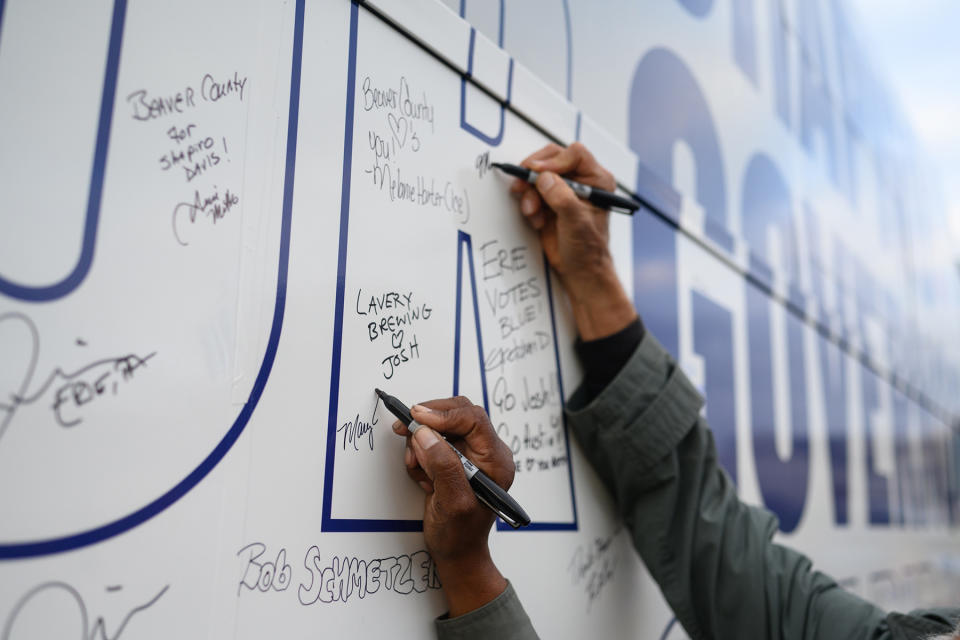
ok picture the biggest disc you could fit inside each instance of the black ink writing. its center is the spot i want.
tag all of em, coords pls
(421, 190)
(497, 358)
(482, 164)
(95, 630)
(215, 206)
(212, 90)
(149, 107)
(396, 99)
(145, 107)
(78, 392)
(593, 566)
(403, 354)
(498, 261)
(343, 577)
(76, 388)
(354, 430)
(266, 575)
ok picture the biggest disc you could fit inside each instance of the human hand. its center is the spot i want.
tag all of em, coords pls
(574, 235)
(455, 524)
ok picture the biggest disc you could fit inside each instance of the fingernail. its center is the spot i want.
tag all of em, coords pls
(397, 426)
(426, 437)
(527, 206)
(546, 181)
(425, 486)
(536, 164)
(419, 408)
(408, 456)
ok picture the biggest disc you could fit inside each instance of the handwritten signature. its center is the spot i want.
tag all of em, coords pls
(215, 206)
(593, 566)
(263, 576)
(97, 631)
(354, 430)
(77, 388)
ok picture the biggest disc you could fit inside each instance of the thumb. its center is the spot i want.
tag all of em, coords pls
(558, 195)
(439, 461)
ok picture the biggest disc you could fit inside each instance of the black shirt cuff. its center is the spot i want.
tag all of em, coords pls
(602, 359)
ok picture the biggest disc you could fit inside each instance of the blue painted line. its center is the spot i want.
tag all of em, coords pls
(98, 534)
(495, 140)
(666, 631)
(563, 409)
(576, 133)
(327, 523)
(2, 4)
(566, 19)
(458, 303)
(473, 40)
(82, 268)
(355, 525)
(465, 239)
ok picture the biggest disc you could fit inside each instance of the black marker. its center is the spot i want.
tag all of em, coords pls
(599, 197)
(488, 492)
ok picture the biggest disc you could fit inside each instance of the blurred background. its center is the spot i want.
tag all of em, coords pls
(917, 48)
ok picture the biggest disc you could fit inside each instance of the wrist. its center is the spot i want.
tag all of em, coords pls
(469, 584)
(601, 307)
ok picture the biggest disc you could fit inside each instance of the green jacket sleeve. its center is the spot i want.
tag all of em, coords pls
(502, 618)
(712, 556)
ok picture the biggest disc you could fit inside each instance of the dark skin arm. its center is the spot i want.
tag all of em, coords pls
(574, 235)
(455, 524)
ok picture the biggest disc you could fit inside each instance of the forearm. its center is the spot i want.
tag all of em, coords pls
(470, 584)
(600, 304)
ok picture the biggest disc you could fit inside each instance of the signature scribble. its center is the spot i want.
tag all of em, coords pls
(74, 388)
(96, 631)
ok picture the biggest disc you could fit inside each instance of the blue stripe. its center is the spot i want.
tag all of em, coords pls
(458, 303)
(473, 40)
(476, 319)
(2, 3)
(98, 534)
(493, 141)
(352, 525)
(327, 522)
(563, 411)
(666, 631)
(82, 268)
